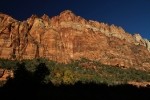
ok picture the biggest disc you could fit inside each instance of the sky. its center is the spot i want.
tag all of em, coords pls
(131, 15)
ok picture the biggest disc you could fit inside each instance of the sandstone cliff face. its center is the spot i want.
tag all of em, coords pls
(68, 36)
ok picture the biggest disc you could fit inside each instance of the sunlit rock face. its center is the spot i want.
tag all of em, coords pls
(140, 41)
(67, 36)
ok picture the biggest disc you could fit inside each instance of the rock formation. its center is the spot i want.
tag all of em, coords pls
(6, 74)
(140, 41)
(68, 36)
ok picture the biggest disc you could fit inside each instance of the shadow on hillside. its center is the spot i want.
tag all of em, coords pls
(28, 85)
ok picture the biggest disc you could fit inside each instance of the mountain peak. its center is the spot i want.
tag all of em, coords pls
(67, 12)
(45, 17)
(67, 15)
(5, 16)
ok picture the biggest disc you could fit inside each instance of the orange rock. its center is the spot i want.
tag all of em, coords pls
(68, 36)
(5, 74)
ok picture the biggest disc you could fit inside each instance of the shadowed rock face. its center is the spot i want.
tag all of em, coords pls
(1, 72)
(68, 36)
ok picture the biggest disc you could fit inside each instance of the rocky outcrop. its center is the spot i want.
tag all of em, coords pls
(140, 41)
(147, 44)
(68, 36)
(6, 74)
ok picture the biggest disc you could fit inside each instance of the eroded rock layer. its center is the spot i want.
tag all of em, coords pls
(68, 36)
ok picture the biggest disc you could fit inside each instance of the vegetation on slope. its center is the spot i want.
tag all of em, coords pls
(83, 70)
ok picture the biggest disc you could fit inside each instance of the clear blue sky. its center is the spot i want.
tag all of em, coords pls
(132, 15)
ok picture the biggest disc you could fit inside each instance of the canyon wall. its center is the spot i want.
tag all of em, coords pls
(68, 36)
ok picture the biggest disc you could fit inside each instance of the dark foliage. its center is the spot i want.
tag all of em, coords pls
(82, 70)
(52, 80)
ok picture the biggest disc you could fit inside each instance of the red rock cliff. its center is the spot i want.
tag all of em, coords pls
(68, 36)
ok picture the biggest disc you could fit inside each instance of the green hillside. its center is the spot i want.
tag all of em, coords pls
(83, 70)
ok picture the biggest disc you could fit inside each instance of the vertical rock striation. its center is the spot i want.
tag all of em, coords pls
(68, 36)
